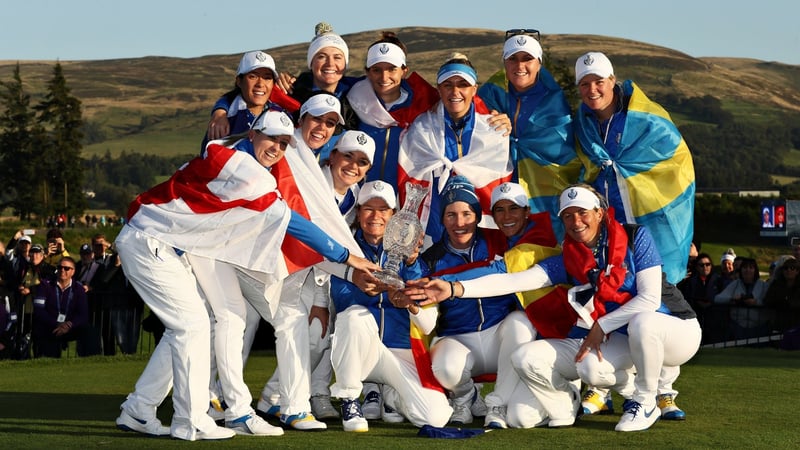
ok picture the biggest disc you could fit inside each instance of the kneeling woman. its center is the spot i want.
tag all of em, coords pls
(624, 281)
(373, 336)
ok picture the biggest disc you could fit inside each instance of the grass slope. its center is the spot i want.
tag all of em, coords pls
(734, 398)
(133, 100)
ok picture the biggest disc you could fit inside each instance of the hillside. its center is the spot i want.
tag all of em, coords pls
(160, 105)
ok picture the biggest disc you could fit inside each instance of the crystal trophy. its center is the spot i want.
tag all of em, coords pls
(402, 236)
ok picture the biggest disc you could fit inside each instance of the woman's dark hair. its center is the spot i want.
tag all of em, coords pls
(703, 256)
(749, 262)
(391, 38)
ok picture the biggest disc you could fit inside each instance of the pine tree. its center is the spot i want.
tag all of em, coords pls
(18, 160)
(60, 112)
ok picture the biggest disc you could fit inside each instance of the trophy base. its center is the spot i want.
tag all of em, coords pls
(390, 279)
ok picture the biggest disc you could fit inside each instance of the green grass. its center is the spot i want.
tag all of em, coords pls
(734, 398)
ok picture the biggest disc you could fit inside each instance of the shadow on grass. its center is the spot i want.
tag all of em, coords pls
(43, 406)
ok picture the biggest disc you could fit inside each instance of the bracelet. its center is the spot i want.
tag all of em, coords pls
(452, 291)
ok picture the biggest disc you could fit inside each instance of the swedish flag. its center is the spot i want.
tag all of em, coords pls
(542, 143)
(651, 170)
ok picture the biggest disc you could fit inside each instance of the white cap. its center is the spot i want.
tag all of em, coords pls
(386, 52)
(274, 123)
(320, 104)
(522, 43)
(255, 60)
(356, 141)
(25, 239)
(512, 192)
(328, 39)
(379, 189)
(593, 63)
(577, 196)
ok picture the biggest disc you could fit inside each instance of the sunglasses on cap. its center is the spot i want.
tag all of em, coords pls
(523, 31)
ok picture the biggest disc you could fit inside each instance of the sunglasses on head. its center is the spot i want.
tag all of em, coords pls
(523, 31)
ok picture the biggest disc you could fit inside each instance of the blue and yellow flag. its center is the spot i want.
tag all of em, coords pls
(542, 146)
(653, 172)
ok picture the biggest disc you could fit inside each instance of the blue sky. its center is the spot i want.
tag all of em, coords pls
(109, 29)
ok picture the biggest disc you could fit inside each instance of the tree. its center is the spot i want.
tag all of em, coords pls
(18, 160)
(562, 72)
(60, 112)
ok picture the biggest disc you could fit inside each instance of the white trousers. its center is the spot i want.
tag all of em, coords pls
(303, 285)
(220, 284)
(291, 339)
(358, 354)
(547, 367)
(458, 358)
(181, 360)
(659, 344)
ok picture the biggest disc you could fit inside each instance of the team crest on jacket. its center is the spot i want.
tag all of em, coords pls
(361, 139)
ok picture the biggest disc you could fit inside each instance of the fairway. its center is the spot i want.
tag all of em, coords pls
(733, 398)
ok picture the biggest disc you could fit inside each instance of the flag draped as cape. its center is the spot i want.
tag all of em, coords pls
(422, 160)
(654, 173)
(223, 205)
(543, 148)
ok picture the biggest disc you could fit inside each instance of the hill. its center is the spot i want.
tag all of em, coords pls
(160, 105)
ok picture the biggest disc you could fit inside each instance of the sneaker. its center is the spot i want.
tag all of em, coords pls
(461, 409)
(496, 418)
(267, 410)
(322, 408)
(253, 425)
(304, 422)
(152, 427)
(352, 417)
(371, 408)
(216, 434)
(638, 417)
(669, 410)
(391, 415)
(478, 408)
(594, 403)
(216, 411)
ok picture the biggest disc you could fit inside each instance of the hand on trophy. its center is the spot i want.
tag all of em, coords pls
(412, 258)
(367, 282)
(400, 300)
